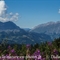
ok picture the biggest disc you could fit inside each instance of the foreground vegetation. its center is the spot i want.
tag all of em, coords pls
(43, 51)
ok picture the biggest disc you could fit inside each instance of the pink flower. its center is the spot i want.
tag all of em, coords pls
(12, 51)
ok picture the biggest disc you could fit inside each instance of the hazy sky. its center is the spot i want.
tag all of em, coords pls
(34, 12)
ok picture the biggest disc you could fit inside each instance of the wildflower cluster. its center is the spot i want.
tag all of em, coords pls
(42, 51)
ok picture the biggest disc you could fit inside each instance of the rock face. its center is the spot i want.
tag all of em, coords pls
(50, 28)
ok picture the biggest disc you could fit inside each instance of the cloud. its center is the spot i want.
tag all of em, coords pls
(14, 17)
(2, 8)
(4, 15)
(59, 11)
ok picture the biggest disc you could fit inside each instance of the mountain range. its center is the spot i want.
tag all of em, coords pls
(51, 28)
(14, 34)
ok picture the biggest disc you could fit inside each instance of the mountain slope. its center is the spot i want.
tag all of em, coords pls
(15, 34)
(8, 26)
(50, 28)
(25, 38)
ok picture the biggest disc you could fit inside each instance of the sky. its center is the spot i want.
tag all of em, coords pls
(30, 13)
